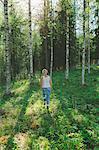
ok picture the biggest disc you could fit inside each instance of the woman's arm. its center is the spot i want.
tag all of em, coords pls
(41, 82)
(50, 83)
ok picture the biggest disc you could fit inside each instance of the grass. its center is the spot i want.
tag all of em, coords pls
(70, 124)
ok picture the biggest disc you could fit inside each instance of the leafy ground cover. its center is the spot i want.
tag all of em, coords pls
(70, 124)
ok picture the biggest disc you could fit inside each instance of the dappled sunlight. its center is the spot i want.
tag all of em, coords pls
(54, 106)
(35, 105)
(28, 124)
(3, 141)
(8, 123)
(37, 111)
(96, 67)
(35, 123)
(34, 109)
(9, 120)
(11, 110)
(79, 118)
(43, 143)
(35, 96)
(21, 88)
(16, 100)
(92, 133)
(22, 140)
(75, 140)
(37, 77)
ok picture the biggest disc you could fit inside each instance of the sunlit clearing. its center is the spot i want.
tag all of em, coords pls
(34, 109)
(23, 87)
(54, 106)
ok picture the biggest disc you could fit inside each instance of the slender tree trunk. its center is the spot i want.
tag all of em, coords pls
(46, 5)
(75, 24)
(30, 43)
(52, 46)
(46, 52)
(84, 46)
(67, 46)
(97, 33)
(78, 55)
(88, 43)
(51, 64)
(7, 50)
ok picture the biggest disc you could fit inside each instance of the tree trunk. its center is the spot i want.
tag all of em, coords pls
(84, 45)
(79, 56)
(88, 43)
(97, 33)
(46, 7)
(46, 52)
(30, 43)
(7, 50)
(51, 63)
(75, 24)
(79, 53)
(67, 46)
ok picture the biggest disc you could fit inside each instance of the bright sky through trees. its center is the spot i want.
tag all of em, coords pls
(36, 5)
(37, 11)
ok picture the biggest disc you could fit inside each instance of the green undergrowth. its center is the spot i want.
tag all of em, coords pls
(70, 124)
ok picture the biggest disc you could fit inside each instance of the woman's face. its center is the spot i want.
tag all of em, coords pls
(45, 72)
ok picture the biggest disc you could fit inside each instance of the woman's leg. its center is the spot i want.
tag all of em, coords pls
(44, 95)
(48, 97)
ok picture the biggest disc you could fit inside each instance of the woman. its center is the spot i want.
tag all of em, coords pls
(46, 84)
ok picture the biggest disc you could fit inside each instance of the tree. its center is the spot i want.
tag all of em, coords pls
(46, 12)
(88, 38)
(51, 63)
(67, 42)
(30, 43)
(84, 43)
(96, 38)
(37, 42)
(75, 40)
(18, 45)
(7, 50)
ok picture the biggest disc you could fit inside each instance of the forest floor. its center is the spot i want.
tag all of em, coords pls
(70, 124)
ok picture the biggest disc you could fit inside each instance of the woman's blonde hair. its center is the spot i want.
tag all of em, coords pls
(44, 70)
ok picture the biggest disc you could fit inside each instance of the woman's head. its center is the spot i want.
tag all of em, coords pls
(44, 72)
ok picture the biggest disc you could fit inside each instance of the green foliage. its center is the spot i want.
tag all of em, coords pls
(72, 121)
(37, 42)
